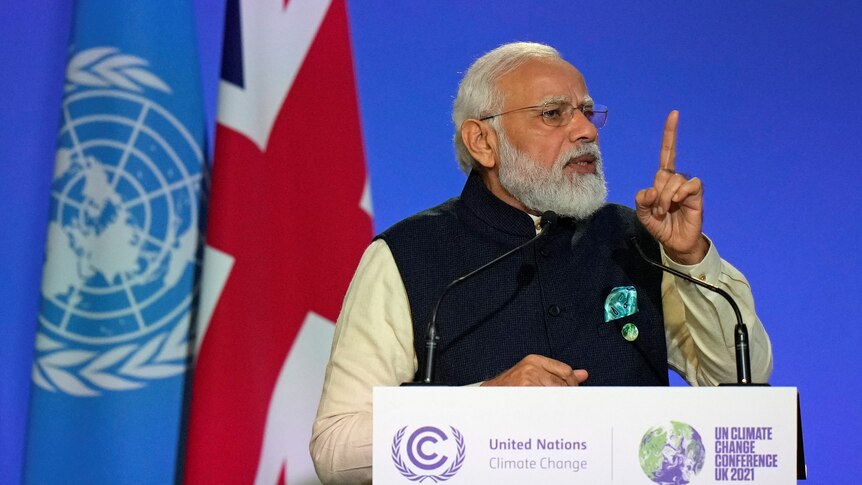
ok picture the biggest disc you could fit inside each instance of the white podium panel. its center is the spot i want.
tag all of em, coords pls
(643, 435)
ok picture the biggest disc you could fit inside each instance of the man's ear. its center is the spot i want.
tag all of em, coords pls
(481, 141)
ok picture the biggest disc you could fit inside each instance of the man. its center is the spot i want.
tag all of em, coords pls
(578, 307)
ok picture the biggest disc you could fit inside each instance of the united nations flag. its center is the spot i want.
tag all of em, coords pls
(122, 254)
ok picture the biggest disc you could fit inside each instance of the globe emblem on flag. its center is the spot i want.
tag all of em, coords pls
(118, 280)
(672, 453)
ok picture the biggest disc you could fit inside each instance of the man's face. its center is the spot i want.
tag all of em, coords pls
(546, 167)
(534, 83)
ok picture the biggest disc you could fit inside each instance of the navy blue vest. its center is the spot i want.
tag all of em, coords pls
(546, 299)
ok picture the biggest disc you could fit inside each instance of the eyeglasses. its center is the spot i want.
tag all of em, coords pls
(560, 113)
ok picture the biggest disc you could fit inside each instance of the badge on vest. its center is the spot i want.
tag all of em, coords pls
(622, 302)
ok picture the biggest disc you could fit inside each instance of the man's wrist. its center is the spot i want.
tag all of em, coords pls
(690, 258)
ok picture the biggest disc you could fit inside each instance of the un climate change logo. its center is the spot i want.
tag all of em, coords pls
(672, 453)
(431, 454)
(119, 272)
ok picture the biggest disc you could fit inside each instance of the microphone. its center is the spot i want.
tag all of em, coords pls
(548, 219)
(740, 334)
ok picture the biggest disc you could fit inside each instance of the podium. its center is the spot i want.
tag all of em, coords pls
(572, 435)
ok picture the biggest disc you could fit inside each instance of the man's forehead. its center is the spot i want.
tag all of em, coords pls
(541, 81)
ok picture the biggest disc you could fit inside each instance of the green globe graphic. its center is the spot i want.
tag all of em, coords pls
(672, 453)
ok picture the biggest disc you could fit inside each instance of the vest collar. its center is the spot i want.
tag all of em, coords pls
(493, 211)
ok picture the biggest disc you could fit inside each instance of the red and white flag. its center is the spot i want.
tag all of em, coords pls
(290, 214)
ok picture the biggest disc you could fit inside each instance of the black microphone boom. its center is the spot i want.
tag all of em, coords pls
(431, 336)
(740, 334)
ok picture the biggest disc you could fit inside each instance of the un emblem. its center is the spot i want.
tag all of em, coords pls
(119, 274)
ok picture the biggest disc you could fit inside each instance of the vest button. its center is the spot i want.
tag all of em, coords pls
(544, 251)
(553, 310)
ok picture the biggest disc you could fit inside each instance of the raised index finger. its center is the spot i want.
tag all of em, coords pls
(667, 157)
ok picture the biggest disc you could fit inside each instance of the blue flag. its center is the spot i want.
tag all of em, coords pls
(119, 279)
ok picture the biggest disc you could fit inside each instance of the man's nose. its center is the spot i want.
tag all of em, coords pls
(581, 129)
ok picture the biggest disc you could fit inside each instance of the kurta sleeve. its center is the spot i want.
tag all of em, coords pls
(374, 328)
(699, 324)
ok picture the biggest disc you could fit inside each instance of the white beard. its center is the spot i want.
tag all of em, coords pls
(577, 195)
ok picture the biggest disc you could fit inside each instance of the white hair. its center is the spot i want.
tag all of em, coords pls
(478, 94)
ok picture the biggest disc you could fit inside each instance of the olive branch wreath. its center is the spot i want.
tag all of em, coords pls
(103, 67)
(83, 372)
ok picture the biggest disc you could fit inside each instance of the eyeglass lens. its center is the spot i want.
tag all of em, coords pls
(556, 114)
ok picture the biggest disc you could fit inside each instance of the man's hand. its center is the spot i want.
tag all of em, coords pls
(672, 209)
(537, 370)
